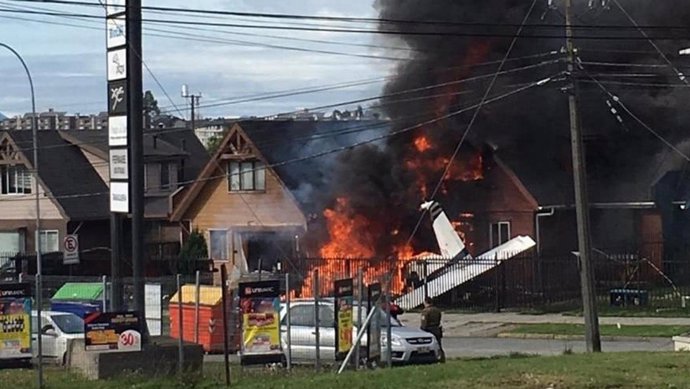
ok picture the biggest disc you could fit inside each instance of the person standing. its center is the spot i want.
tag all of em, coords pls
(431, 323)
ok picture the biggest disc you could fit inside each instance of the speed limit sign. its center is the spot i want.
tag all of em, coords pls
(71, 250)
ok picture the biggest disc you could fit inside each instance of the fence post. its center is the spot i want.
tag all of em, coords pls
(317, 334)
(360, 282)
(389, 335)
(180, 327)
(497, 297)
(223, 301)
(197, 297)
(288, 320)
(425, 268)
(104, 299)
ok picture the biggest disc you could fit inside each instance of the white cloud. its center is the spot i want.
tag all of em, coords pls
(69, 64)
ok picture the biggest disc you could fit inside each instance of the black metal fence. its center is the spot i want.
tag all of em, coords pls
(524, 281)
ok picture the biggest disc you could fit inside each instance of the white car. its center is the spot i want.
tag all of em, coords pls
(57, 330)
(409, 345)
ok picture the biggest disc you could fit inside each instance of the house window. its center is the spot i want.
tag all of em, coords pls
(11, 243)
(15, 180)
(165, 176)
(219, 244)
(500, 233)
(246, 176)
(50, 241)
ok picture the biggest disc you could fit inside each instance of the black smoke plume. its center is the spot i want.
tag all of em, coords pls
(534, 124)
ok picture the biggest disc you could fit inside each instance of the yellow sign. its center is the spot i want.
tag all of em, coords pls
(15, 321)
(261, 333)
(15, 336)
(345, 324)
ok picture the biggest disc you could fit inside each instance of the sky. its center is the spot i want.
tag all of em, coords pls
(68, 62)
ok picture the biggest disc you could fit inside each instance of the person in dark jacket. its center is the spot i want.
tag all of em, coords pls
(431, 323)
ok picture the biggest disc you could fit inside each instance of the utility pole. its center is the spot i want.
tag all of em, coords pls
(194, 101)
(592, 337)
(136, 139)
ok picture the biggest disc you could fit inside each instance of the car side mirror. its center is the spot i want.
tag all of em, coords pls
(49, 330)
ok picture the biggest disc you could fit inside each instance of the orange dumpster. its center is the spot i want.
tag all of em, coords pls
(210, 318)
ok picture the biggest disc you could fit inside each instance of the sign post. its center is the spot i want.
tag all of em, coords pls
(15, 321)
(117, 46)
(343, 317)
(374, 329)
(260, 304)
(71, 250)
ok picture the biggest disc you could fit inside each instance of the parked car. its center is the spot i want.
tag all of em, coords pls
(409, 345)
(57, 330)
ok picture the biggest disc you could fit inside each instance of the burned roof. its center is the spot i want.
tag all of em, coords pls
(68, 176)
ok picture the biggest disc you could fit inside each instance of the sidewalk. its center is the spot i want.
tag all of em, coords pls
(490, 324)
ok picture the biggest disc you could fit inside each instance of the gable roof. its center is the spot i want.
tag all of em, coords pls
(187, 196)
(186, 141)
(66, 174)
(302, 151)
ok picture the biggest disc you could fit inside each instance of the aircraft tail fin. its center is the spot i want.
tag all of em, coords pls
(448, 240)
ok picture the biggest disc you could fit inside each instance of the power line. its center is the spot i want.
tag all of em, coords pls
(617, 99)
(673, 67)
(163, 33)
(346, 147)
(474, 118)
(408, 91)
(355, 31)
(376, 21)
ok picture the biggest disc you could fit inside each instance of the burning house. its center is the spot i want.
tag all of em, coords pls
(356, 186)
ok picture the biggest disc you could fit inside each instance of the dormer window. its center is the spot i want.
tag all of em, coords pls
(244, 176)
(16, 180)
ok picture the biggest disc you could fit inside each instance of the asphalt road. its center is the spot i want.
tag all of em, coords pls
(488, 347)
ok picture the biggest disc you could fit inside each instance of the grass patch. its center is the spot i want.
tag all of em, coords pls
(639, 370)
(659, 331)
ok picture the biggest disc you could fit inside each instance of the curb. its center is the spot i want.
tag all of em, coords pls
(508, 335)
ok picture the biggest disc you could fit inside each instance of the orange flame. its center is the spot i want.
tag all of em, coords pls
(422, 143)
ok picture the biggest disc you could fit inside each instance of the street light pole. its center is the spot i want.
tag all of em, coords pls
(37, 235)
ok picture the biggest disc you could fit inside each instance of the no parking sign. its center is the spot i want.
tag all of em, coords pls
(71, 250)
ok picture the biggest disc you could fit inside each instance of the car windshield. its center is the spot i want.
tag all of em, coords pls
(381, 316)
(69, 324)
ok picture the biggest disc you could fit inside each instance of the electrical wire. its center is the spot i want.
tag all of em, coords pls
(673, 67)
(408, 91)
(400, 93)
(345, 147)
(376, 21)
(358, 31)
(617, 99)
(472, 121)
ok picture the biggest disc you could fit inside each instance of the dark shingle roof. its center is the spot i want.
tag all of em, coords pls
(186, 141)
(68, 175)
(287, 140)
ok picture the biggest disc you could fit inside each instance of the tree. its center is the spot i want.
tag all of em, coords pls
(151, 108)
(214, 142)
(194, 249)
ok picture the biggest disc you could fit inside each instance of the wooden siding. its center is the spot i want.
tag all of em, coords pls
(504, 201)
(23, 207)
(217, 208)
